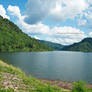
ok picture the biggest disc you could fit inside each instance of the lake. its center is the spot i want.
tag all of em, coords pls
(55, 65)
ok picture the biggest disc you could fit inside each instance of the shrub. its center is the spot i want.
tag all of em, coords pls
(79, 86)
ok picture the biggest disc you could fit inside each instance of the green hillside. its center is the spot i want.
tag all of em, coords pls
(13, 39)
(55, 46)
(85, 46)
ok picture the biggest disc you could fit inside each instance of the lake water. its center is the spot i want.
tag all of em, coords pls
(56, 65)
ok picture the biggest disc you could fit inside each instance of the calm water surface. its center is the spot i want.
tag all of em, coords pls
(57, 65)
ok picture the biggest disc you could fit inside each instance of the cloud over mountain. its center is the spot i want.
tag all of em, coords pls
(63, 35)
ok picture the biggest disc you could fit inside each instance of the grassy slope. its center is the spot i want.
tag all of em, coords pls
(13, 80)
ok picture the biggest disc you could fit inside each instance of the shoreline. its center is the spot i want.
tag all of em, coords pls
(12, 79)
(62, 84)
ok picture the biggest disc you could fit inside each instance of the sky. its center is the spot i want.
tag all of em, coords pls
(60, 21)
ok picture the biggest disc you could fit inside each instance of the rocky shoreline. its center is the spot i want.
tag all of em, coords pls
(62, 84)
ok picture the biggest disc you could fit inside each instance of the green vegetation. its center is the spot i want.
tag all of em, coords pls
(84, 46)
(13, 39)
(80, 86)
(55, 46)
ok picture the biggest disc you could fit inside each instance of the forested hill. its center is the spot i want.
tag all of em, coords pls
(85, 46)
(13, 39)
(55, 46)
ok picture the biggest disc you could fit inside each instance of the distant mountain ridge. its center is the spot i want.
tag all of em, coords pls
(53, 45)
(85, 46)
(13, 39)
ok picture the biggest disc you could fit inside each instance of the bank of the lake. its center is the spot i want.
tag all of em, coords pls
(14, 80)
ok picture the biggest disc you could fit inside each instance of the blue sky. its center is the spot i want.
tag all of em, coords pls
(19, 3)
(60, 21)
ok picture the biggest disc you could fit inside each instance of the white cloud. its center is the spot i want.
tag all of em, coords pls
(59, 10)
(64, 41)
(62, 35)
(38, 10)
(86, 16)
(36, 37)
(67, 35)
(90, 1)
(90, 34)
(3, 12)
(14, 10)
(82, 22)
(70, 10)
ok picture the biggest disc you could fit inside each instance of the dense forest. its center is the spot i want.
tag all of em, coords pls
(55, 46)
(85, 46)
(13, 39)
